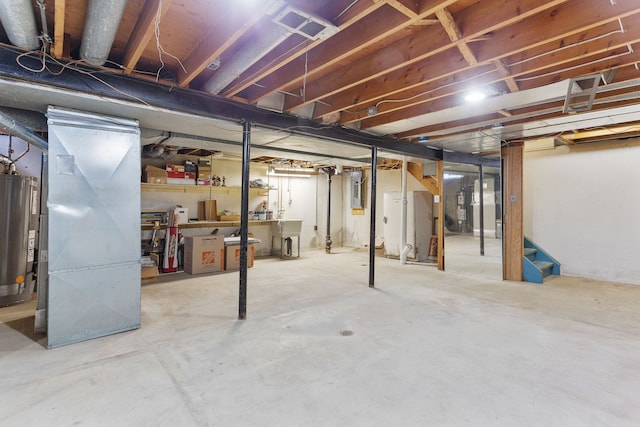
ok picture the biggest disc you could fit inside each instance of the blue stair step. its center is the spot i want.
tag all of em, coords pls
(530, 253)
(545, 266)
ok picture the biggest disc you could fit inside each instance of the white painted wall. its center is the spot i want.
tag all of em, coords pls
(581, 205)
(293, 198)
(356, 227)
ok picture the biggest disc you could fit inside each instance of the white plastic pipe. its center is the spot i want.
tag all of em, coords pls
(403, 215)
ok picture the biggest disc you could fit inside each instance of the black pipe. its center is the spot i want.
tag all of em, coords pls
(328, 242)
(372, 226)
(244, 218)
(481, 210)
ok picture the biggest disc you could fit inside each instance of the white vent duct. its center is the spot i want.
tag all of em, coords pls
(19, 23)
(101, 24)
(242, 60)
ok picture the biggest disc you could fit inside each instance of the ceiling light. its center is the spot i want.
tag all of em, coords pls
(475, 96)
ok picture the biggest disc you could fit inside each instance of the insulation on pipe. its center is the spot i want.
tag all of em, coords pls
(19, 23)
(100, 27)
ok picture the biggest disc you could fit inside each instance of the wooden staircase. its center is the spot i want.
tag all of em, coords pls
(537, 264)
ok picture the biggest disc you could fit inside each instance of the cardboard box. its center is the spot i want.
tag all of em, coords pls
(189, 166)
(190, 175)
(229, 217)
(173, 174)
(232, 256)
(174, 168)
(207, 210)
(204, 172)
(149, 274)
(154, 175)
(203, 254)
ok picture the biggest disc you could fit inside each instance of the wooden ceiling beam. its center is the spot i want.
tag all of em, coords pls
(229, 26)
(408, 7)
(523, 115)
(455, 35)
(377, 26)
(290, 82)
(598, 47)
(274, 63)
(58, 28)
(562, 21)
(432, 44)
(504, 71)
(408, 86)
(143, 32)
(423, 108)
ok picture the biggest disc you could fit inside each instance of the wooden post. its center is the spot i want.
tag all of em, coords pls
(513, 237)
(441, 221)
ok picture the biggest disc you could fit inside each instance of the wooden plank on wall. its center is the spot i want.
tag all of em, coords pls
(513, 237)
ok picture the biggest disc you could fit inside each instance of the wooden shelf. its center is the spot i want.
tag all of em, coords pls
(202, 189)
(212, 224)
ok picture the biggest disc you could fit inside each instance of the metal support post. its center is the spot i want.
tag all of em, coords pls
(244, 219)
(328, 242)
(372, 226)
(481, 210)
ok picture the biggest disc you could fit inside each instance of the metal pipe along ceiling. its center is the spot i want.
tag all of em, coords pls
(241, 61)
(19, 23)
(101, 24)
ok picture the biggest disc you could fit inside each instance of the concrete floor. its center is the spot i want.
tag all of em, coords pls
(319, 348)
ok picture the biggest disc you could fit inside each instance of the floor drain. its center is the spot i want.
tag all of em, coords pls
(346, 333)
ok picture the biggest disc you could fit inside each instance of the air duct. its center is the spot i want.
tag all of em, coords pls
(102, 22)
(11, 126)
(19, 23)
(257, 48)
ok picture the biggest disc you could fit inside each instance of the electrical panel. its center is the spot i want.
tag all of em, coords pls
(356, 190)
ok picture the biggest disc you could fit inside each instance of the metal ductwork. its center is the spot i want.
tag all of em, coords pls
(19, 23)
(11, 126)
(102, 22)
(241, 61)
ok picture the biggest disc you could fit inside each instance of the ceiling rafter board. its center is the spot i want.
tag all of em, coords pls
(196, 103)
(356, 39)
(422, 107)
(428, 43)
(288, 81)
(404, 81)
(265, 68)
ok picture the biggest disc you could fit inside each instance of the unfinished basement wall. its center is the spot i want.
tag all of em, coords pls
(581, 204)
(356, 227)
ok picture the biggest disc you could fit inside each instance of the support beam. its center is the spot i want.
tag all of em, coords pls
(481, 191)
(148, 96)
(440, 172)
(372, 225)
(244, 218)
(58, 28)
(143, 32)
(452, 29)
(513, 237)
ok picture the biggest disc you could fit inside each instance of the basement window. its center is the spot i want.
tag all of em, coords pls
(310, 26)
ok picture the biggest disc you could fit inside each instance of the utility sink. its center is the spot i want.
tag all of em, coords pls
(283, 229)
(286, 227)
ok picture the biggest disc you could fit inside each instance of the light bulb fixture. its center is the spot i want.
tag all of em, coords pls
(475, 96)
(292, 172)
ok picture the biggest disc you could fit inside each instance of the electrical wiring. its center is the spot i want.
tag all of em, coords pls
(161, 50)
(550, 73)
